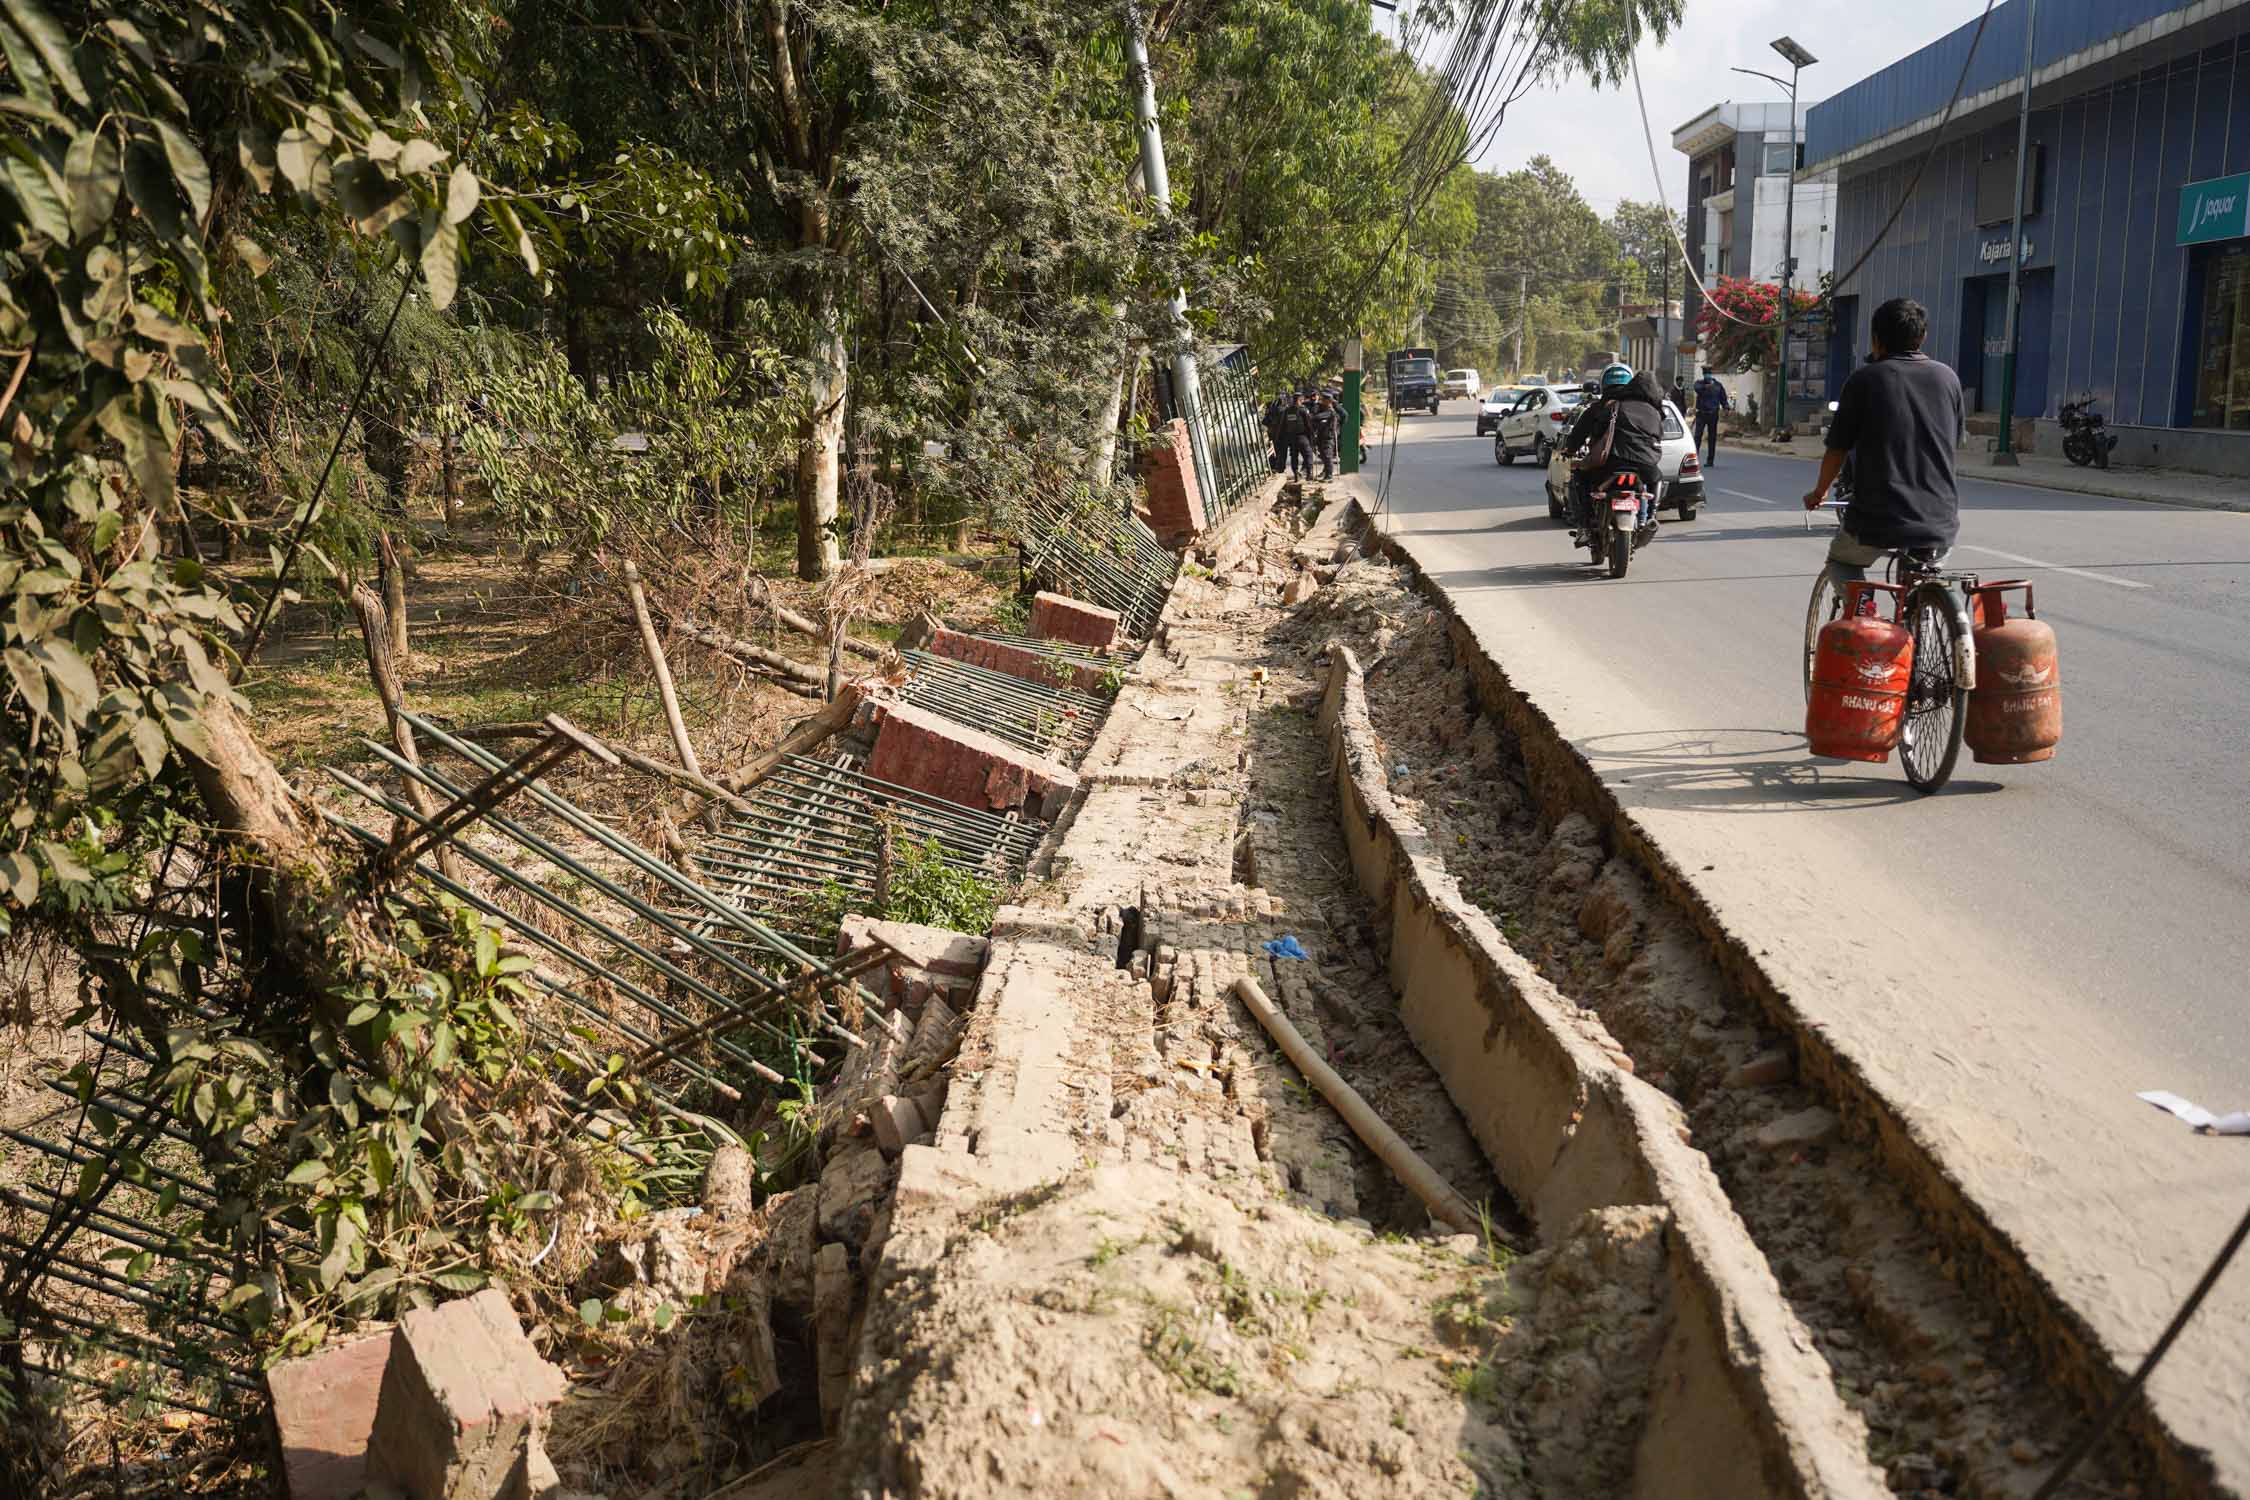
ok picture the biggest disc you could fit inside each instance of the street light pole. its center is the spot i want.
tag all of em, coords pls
(1187, 387)
(2004, 456)
(1798, 59)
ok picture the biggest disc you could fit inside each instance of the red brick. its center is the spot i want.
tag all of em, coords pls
(1175, 499)
(464, 1403)
(324, 1406)
(937, 949)
(1055, 618)
(918, 749)
(1016, 661)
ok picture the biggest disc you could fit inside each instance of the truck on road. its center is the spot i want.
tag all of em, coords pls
(1413, 380)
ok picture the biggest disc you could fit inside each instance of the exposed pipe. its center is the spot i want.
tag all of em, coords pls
(1420, 1177)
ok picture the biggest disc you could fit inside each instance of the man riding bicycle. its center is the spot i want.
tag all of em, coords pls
(1898, 418)
(1631, 408)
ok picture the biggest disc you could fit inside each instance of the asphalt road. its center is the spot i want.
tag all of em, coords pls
(2009, 960)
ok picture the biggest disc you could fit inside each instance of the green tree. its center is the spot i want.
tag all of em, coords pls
(1548, 263)
(1648, 253)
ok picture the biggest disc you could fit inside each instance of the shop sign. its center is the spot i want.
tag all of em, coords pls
(2218, 209)
(1992, 250)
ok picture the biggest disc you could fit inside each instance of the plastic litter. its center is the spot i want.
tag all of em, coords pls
(2196, 1116)
(1285, 947)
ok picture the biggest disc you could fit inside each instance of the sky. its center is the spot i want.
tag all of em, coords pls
(1595, 134)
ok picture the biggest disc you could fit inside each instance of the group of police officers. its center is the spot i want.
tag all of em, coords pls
(1303, 426)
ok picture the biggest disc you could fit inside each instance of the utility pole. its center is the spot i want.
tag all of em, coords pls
(1798, 59)
(1667, 341)
(1523, 316)
(2004, 456)
(1186, 381)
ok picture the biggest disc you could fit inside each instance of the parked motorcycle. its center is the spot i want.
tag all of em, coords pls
(1616, 516)
(2085, 438)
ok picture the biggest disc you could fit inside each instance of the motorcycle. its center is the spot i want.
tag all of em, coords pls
(1616, 516)
(2084, 440)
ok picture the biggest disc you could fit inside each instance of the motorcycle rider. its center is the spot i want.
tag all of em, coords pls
(1898, 417)
(1633, 409)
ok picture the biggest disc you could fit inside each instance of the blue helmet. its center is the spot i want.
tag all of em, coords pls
(1616, 377)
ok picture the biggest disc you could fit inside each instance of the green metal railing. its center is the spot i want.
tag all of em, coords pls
(1092, 552)
(1234, 437)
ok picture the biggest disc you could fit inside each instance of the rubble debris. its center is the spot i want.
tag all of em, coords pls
(463, 1411)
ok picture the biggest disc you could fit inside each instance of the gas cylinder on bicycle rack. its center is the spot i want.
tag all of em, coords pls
(1861, 666)
(2015, 710)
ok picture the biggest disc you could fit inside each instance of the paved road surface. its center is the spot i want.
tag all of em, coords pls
(2009, 960)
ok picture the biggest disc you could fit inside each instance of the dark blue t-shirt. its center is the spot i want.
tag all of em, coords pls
(1900, 418)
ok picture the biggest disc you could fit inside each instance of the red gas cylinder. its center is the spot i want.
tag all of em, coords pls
(2015, 710)
(1861, 666)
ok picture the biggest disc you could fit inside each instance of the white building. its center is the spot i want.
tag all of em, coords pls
(1741, 158)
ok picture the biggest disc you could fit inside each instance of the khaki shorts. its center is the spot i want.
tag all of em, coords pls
(1854, 553)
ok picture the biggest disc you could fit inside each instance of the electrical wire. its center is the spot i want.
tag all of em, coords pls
(2085, 1441)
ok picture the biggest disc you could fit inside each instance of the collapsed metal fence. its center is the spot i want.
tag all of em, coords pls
(1096, 554)
(821, 836)
(708, 973)
(1234, 437)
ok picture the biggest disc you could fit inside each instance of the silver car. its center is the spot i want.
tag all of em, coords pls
(1679, 476)
(1536, 423)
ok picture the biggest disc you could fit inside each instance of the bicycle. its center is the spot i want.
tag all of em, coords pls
(1935, 607)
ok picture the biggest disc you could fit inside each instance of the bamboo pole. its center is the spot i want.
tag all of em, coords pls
(654, 646)
(1419, 1176)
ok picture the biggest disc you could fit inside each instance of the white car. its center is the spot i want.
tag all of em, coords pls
(1680, 472)
(1536, 423)
(1460, 383)
(1495, 405)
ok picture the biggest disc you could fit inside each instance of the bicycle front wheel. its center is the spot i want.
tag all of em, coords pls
(1931, 741)
(1826, 602)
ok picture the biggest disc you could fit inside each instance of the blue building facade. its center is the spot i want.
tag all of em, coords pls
(2136, 240)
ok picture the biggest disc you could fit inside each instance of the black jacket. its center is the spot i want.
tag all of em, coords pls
(1296, 422)
(1638, 442)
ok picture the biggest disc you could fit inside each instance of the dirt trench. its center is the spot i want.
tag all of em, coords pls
(1955, 1401)
(1226, 1294)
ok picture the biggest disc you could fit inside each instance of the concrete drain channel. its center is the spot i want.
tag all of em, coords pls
(1840, 1322)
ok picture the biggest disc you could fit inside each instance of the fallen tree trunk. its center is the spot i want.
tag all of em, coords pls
(804, 626)
(382, 636)
(787, 667)
(802, 739)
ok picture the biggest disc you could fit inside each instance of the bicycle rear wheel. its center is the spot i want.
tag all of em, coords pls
(1931, 741)
(1826, 602)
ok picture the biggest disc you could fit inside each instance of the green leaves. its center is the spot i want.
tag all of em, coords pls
(94, 173)
(47, 38)
(188, 167)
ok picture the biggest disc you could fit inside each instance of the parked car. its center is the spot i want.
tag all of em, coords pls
(1460, 383)
(1680, 474)
(1537, 421)
(1495, 405)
